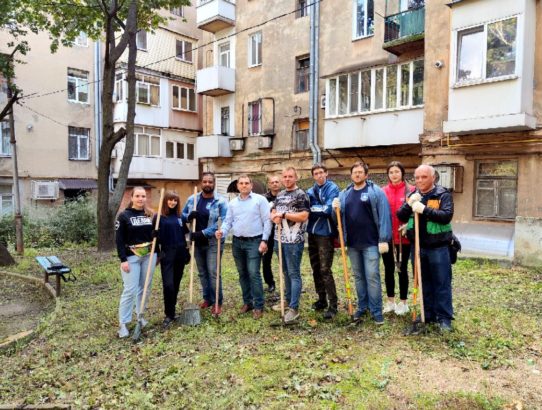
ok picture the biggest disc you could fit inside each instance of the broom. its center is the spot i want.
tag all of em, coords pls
(137, 331)
(191, 315)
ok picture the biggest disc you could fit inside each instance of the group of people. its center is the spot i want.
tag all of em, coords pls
(376, 223)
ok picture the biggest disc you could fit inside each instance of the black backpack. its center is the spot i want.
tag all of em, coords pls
(454, 247)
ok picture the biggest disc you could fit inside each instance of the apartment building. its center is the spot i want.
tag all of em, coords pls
(168, 109)
(55, 131)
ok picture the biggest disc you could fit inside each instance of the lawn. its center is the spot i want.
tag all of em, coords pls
(491, 360)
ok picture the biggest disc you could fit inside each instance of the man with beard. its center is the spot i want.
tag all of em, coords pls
(273, 184)
(210, 206)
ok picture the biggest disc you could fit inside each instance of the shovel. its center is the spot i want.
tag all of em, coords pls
(281, 278)
(191, 315)
(218, 244)
(137, 331)
(345, 266)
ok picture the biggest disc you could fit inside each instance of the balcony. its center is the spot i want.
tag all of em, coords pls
(213, 146)
(216, 81)
(158, 168)
(404, 31)
(215, 15)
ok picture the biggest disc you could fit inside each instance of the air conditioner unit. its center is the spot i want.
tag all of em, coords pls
(265, 142)
(237, 144)
(45, 190)
(446, 175)
(323, 102)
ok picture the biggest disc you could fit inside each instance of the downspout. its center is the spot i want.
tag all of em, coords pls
(313, 81)
(97, 99)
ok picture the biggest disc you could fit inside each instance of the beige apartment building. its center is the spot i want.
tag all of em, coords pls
(448, 83)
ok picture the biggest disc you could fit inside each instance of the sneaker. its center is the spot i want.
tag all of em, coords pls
(123, 331)
(379, 321)
(277, 308)
(167, 322)
(401, 308)
(357, 317)
(389, 307)
(291, 316)
(445, 327)
(319, 305)
(245, 309)
(216, 310)
(204, 304)
(330, 313)
(257, 314)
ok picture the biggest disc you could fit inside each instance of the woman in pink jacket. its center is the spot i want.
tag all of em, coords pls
(396, 191)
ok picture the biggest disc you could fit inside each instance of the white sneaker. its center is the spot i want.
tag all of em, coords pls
(276, 307)
(291, 316)
(401, 309)
(123, 331)
(389, 307)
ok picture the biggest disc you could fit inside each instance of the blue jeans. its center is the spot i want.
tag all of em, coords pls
(247, 260)
(134, 282)
(206, 260)
(366, 269)
(437, 285)
(291, 267)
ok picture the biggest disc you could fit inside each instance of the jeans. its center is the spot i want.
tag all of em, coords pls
(206, 260)
(321, 253)
(389, 268)
(365, 266)
(134, 282)
(247, 260)
(291, 267)
(266, 263)
(172, 263)
(437, 284)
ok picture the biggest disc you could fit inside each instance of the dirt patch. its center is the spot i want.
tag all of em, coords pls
(22, 305)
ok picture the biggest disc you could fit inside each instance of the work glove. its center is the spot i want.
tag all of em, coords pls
(336, 204)
(192, 215)
(199, 238)
(415, 197)
(383, 247)
(418, 207)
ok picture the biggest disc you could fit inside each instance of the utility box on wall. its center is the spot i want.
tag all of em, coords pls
(450, 176)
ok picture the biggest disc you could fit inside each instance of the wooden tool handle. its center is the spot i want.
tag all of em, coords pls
(192, 249)
(345, 266)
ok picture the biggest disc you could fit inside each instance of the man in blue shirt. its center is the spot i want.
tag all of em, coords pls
(248, 220)
(210, 206)
(366, 220)
(322, 231)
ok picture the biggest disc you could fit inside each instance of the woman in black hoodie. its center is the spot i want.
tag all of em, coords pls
(174, 254)
(134, 237)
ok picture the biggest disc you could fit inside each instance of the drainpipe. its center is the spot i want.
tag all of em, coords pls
(314, 73)
(97, 99)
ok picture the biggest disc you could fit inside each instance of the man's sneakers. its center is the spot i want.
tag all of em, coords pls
(319, 305)
(389, 307)
(216, 311)
(445, 327)
(257, 314)
(123, 331)
(291, 316)
(401, 309)
(245, 309)
(204, 304)
(277, 308)
(330, 313)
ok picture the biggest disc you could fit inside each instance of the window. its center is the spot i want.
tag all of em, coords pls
(301, 142)
(6, 200)
(77, 85)
(141, 40)
(224, 54)
(225, 120)
(118, 93)
(496, 189)
(190, 151)
(363, 21)
(5, 135)
(147, 90)
(184, 98)
(302, 74)
(147, 142)
(174, 150)
(78, 143)
(178, 11)
(302, 9)
(380, 88)
(254, 118)
(81, 40)
(184, 50)
(255, 49)
(487, 51)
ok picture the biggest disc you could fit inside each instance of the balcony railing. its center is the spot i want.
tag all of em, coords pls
(407, 26)
(216, 80)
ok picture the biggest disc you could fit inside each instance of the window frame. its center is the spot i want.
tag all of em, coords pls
(302, 9)
(251, 121)
(297, 132)
(79, 83)
(145, 131)
(458, 33)
(139, 40)
(78, 43)
(225, 121)
(184, 52)
(224, 53)
(76, 132)
(142, 83)
(189, 91)
(6, 196)
(495, 180)
(368, 29)
(5, 138)
(302, 72)
(177, 11)
(259, 50)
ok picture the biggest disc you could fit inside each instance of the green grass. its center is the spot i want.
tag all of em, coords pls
(237, 362)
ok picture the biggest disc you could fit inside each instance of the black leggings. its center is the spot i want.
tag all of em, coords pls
(389, 268)
(172, 263)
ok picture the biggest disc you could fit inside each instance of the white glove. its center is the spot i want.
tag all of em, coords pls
(415, 197)
(336, 204)
(383, 247)
(418, 207)
(403, 230)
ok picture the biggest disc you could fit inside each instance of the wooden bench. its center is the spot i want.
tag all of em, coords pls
(52, 265)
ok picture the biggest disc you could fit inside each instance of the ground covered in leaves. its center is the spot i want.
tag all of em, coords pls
(491, 360)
